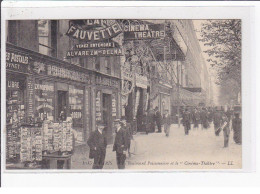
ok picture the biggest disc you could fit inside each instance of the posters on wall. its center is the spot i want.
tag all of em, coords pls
(15, 116)
(76, 97)
(98, 106)
(114, 112)
(44, 100)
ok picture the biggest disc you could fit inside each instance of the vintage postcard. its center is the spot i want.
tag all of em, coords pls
(133, 94)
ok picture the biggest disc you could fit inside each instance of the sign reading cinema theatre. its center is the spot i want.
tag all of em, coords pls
(144, 31)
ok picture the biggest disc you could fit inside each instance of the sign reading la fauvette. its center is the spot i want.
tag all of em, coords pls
(94, 35)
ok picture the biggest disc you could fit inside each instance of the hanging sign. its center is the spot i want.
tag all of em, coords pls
(141, 81)
(144, 31)
(67, 74)
(107, 81)
(95, 52)
(94, 35)
(96, 45)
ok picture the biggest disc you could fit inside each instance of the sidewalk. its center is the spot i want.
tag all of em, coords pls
(80, 158)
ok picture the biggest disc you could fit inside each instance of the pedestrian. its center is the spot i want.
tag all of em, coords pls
(151, 118)
(120, 144)
(97, 143)
(226, 130)
(204, 119)
(186, 121)
(158, 120)
(167, 123)
(129, 133)
(146, 123)
(196, 118)
(217, 121)
(237, 128)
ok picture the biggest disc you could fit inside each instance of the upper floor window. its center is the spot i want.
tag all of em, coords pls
(47, 33)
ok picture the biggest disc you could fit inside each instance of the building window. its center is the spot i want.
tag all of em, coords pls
(97, 63)
(107, 65)
(47, 33)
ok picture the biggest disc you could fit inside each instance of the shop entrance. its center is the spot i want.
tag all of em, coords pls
(62, 105)
(107, 115)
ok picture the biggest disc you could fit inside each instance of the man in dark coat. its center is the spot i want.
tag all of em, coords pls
(158, 120)
(120, 144)
(217, 121)
(129, 133)
(226, 130)
(204, 119)
(97, 143)
(186, 121)
(196, 118)
(151, 121)
(237, 128)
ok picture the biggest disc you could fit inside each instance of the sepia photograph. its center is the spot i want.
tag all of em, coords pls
(132, 94)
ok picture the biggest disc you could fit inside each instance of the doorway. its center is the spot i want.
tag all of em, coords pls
(107, 115)
(62, 105)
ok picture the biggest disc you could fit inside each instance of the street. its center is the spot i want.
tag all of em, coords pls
(201, 149)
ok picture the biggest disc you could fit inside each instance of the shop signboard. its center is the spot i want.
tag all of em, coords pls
(94, 34)
(141, 81)
(18, 62)
(95, 45)
(95, 52)
(107, 81)
(67, 74)
(144, 31)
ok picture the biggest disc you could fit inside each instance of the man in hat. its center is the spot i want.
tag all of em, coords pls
(120, 144)
(237, 128)
(204, 118)
(226, 130)
(97, 143)
(217, 121)
(158, 119)
(186, 121)
(129, 133)
(196, 118)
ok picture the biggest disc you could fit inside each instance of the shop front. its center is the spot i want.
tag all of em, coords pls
(164, 98)
(141, 100)
(19, 99)
(107, 102)
(62, 92)
(47, 108)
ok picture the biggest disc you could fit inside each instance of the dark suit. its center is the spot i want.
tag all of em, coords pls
(158, 120)
(120, 145)
(97, 143)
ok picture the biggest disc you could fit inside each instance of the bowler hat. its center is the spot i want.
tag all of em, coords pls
(100, 123)
(117, 121)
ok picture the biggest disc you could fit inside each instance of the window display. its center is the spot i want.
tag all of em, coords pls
(15, 116)
(44, 100)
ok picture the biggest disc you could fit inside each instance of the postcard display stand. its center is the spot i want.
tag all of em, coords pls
(39, 139)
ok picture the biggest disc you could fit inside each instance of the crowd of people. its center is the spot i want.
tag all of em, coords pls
(192, 117)
(223, 120)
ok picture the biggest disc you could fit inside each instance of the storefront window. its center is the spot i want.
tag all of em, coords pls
(44, 100)
(76, 104)
(15, 115)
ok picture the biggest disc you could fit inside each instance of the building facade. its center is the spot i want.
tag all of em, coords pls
(100, 70)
